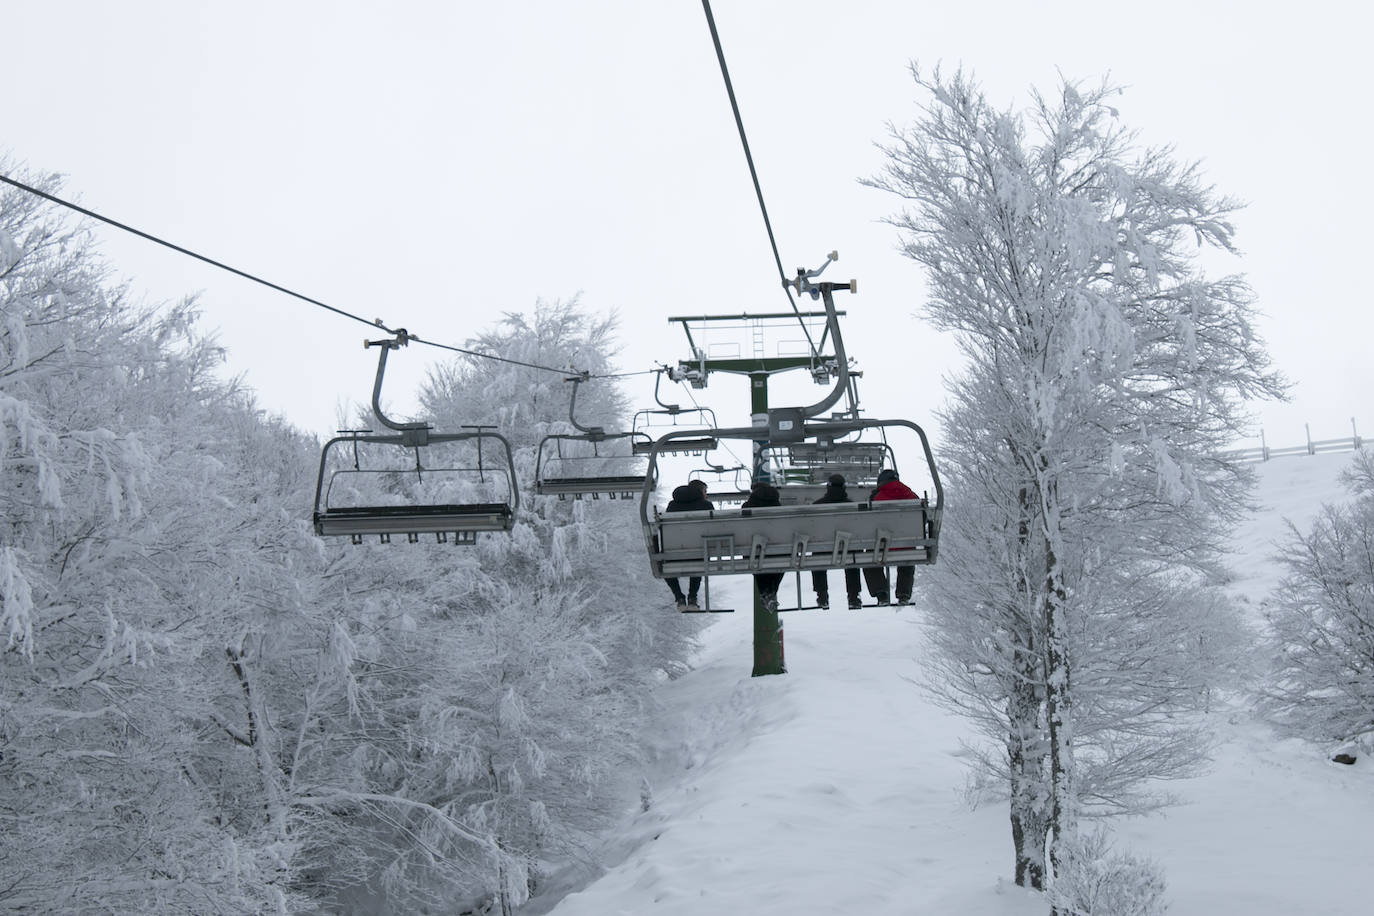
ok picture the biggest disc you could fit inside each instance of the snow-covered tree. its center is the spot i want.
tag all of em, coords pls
(505, 682)
(1105, 375)
(204, 708)
(1152, 646)
(1322, 624)
(1095, 880)
(140, 540)
(567, 609)
(593, 544)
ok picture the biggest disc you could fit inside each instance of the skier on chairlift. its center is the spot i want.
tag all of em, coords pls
(690, 497)
(835, 492)
(762, 494)
(890, 487)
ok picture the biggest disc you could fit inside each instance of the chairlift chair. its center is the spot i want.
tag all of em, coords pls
(795, 537)
(414, 481)
(801, 536)
(857, 461)
(803, 469)
(735, 490)
(644, 426)
(554, 460)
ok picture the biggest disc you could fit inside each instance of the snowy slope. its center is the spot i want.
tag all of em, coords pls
(838, 788)
(1291, 488)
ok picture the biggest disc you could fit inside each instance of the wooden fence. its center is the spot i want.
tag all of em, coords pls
(1352, 442)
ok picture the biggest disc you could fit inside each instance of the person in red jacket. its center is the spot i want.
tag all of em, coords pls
(890, 487)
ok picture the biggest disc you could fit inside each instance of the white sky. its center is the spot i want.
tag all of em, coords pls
(437, 164)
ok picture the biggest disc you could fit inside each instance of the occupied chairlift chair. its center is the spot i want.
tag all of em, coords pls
(552, 463)
(796, 537)
(382, 497)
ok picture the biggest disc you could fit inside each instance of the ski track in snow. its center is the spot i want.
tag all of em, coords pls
(838, 788)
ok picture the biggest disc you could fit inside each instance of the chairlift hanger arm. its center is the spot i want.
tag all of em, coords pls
(589, 433)
(415, 433)
(826, 291)
(597, 432)
(672, 409)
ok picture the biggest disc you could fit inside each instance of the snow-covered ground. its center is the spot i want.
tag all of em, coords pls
(839, 789)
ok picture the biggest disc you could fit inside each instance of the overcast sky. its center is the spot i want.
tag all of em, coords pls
(438, 164)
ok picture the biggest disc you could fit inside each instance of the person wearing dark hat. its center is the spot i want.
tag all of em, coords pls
(762, 494)
(891, 487)
(835, 492)
(690, 497)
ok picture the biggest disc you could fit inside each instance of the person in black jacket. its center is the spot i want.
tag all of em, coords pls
(835, 492)
(690, 497)
(760, 495)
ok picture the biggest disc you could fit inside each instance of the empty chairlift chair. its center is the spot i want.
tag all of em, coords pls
(651, 425)
(414, 481)
(725, 485)
(575, 464)
(802, 469)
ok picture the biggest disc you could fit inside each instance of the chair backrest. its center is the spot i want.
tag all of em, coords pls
(778, 538)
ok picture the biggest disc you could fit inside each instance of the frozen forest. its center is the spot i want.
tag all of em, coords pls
(205, 708)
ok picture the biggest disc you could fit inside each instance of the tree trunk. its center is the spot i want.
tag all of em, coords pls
(268, 772)
(1025, 739)
(1058, 690)
(1026, 758)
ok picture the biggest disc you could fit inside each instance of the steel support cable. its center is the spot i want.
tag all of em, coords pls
(728, 450)
(188, 252)
(377, 323)
(753, 173)
(500, 359)
(627, 374)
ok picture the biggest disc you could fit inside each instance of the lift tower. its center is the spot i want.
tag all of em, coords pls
(775, 425)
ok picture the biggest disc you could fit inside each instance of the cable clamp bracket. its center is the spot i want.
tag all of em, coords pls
(803, 285)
